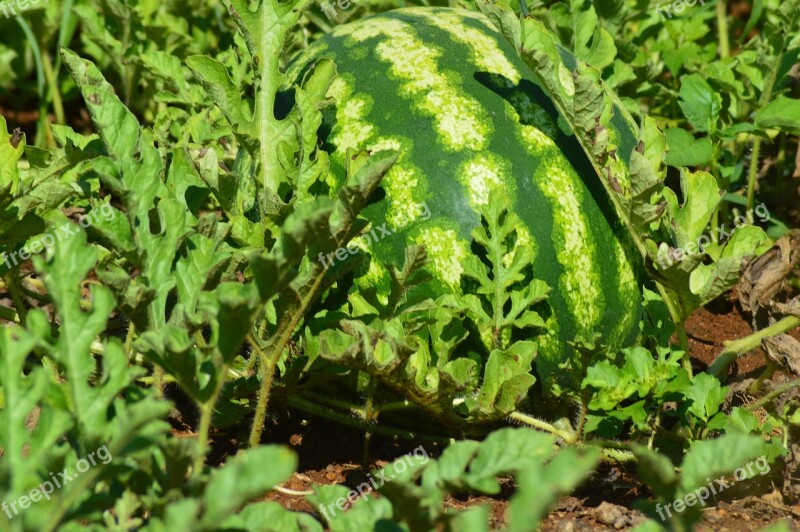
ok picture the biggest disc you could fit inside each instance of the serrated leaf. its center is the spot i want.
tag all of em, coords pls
(116, 125)
(707, 395)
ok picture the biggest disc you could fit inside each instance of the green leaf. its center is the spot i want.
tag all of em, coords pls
(256, 516)
(713, 458)
(685, 150)
(588, 39)
(505, 20)
(64, 271)
(364, 515)
(11, 149)
(782, 113)
(507, 450)
(505, 273)
(707, 395)
(245, 477)
(700, 103)
(507, 378)
(22, 393)
(702, 195)
(656, 471)
(215, 79)
(117, 126)
(539, 486)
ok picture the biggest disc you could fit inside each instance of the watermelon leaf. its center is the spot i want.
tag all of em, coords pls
(506, 293)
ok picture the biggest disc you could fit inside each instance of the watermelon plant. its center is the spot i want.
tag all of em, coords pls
(429, 224)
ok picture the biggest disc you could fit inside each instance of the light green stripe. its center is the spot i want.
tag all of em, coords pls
(483, 49)
(628, 290)
(405, 185)
(483, 173)
(461, 122)
(575, 249)
(445, 253)
(351, 130)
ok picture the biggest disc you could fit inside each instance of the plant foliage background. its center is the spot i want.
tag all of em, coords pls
(197, 284)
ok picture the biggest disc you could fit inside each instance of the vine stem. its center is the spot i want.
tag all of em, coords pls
(55, 93)
(284, 334)
(206, 412)
(752, 172)
(328, 413)
(129, 340)
(369, 416)
(680, 329)
(8, 315)
(724, 51)
(267, 365)
(722, 29)
(783, 388)
(293, 493)
(12, 283)
(569, 438)
(738, 347)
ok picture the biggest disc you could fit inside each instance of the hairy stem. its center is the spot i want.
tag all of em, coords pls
(129, 340)
(680, 328)
(12, 283)
(738, 347)
(369, 415)
(722, 29)
(569, 438)
(327, 413)
(783, 388)
(766, 95)
(277, 347)
(206, 412)
(267, 365)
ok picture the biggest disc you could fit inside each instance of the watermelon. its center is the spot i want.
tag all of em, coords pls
(448, 91)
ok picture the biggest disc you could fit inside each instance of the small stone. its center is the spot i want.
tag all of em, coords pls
(774, 499)
(622, 522)
(567, 526)
(608, 513)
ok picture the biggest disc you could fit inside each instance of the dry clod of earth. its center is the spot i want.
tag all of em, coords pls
(612, 515)
(762, 290)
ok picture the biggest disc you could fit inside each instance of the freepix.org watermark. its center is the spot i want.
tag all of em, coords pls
(419, 455)
(678, 6)
(665, 260)
(367, 238)
(10, 7)
(714, 487)
(57, 481)
(329, 8)
(61, 233)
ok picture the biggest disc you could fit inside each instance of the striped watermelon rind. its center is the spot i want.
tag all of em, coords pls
(448, 91)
